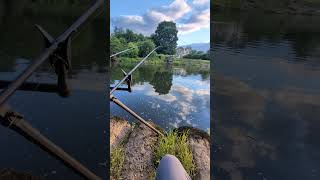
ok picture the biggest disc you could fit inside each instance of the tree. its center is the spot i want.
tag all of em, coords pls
(115, 45)
(118, 32)
(145, 47)
(134, 51)
(166, 37)
(128, 35)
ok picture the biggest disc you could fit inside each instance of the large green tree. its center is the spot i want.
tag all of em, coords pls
(166, 37)
(145, 47)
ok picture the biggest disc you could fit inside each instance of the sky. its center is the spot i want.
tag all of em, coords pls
(142, 16)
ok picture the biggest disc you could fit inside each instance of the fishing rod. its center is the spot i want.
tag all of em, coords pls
(58, 51)
(123, 106)
(121, 52)
(129, 73)
(56, 48)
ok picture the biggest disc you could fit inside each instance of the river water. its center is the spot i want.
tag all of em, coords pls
(266, 96)
(170, 95)
(76, 123)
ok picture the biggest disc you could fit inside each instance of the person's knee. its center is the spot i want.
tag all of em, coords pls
(170, 168)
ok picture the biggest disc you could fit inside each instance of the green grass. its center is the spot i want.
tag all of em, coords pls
(161, 60)
(117, 160)
(176, 145)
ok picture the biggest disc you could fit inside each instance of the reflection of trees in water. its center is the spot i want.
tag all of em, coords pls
(162, 81)
(161, 73)
(195, 70)
(243, 29)
(159, 77)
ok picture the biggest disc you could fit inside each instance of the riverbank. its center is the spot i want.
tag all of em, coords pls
(135, 149)
(161, 60)
(297, 7)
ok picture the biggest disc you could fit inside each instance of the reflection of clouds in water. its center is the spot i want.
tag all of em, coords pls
(244, 141)
(186, 93)
(188, 98)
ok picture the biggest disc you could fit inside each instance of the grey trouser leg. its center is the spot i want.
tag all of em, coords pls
(170, 168)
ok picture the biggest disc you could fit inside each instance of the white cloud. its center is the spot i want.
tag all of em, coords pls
(197, 21)
(201, 2)
(202, 92)
(199, 17)
(147, 23)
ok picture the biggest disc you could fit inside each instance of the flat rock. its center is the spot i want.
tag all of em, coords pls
(119, 129)
(199, 142)
(139, 150)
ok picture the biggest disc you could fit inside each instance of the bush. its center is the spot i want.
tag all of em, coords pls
(133, 52)
(115, 45)
(145, 47)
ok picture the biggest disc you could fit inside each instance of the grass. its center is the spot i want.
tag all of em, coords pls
(117, 160)
(161, 60)
(117, 155)
(176, 145)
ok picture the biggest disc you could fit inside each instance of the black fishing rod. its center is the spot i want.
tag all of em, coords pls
(60, 47)
(58, 51)
(123, 106)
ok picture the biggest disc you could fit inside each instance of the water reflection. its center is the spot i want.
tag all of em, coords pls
(162, 82)
(266, 96)
(170, 96)
(62, 120)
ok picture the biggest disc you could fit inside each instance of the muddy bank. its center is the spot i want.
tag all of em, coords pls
(138, 144)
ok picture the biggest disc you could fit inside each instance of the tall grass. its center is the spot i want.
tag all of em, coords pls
(117, 160)
(175, 144)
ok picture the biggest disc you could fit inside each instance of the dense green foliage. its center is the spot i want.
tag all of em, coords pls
(134, 52)
(116, 44)
(128, 35)
(124, 39)
(194, 54)
(166, 37)
(145, 47)
(140, 45)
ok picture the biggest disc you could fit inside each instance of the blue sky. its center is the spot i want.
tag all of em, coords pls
(142, 16)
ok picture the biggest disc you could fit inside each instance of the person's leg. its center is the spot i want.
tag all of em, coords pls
(170, 168)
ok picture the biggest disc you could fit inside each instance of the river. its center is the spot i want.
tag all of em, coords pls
(76, 123)
(266, 96)
(169, 95)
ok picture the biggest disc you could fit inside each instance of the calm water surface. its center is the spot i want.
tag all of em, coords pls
(266, 96)
(76, 123)
(171, 96)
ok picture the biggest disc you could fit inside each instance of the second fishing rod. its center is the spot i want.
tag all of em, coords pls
(123, 106)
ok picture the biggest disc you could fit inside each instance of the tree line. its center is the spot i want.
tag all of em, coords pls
(194, 54)
(164, 36)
